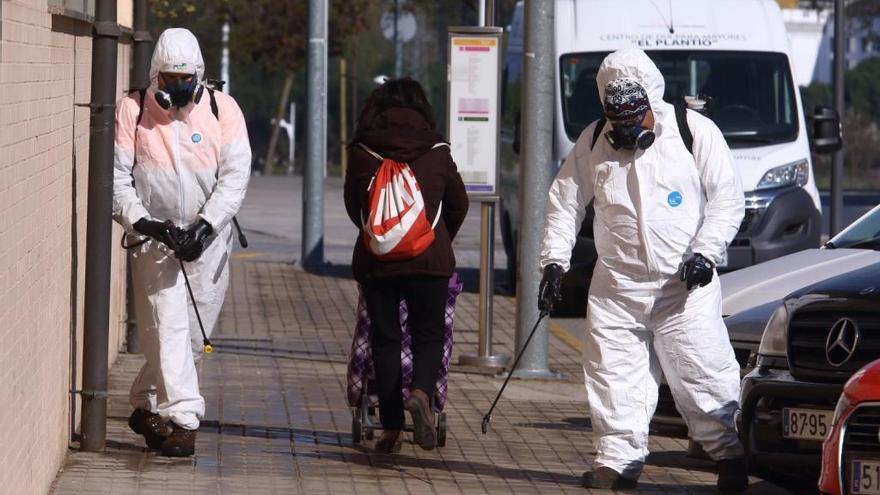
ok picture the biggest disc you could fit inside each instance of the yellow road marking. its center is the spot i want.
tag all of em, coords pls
(246, 256)
(561, 334)
(564, 336)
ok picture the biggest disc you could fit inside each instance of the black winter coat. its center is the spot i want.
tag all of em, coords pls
(404, 135)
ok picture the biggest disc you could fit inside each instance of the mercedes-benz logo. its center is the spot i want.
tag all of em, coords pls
(840, 346)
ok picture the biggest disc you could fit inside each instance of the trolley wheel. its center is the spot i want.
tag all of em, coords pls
(356, 428)
(441, 429)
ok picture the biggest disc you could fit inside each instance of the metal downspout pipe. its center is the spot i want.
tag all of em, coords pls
(99, 227)
(140, 79)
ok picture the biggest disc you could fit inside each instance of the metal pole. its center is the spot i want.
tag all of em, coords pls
(484, 356)
(316, 143)
(536, 174)
(99, 228)
(343, 122)
(143, 45)
(224, 58)
(482, 14)
(398, 47)
(837, 159)
(140, 79)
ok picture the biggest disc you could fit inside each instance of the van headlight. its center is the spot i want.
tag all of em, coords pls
(795, 173)
(773, 342)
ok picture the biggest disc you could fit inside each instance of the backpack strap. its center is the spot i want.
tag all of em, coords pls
(371, 152)
(683, 128)
(214, 109)
(600, 124)
(142, 93)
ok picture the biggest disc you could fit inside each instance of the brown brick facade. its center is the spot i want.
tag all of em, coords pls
(45, 71)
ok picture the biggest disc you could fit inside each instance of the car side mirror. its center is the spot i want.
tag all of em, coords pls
(516, 132)
(826, 131)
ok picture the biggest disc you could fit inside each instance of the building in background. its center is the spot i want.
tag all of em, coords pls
(45, 88)
(812, 41)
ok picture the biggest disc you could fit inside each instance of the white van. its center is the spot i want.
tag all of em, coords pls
(733, 54)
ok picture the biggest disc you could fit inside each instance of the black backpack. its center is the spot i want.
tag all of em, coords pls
(680, 118)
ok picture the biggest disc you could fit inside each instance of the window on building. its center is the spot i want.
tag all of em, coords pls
(83, 7)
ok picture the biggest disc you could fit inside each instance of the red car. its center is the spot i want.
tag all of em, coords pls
(851, 451)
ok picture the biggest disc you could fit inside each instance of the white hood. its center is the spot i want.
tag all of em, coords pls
(632, 63)
(176, 51)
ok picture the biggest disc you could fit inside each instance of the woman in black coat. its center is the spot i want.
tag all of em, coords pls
(396, 123)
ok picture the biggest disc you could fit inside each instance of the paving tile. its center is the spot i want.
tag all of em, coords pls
(277, 420)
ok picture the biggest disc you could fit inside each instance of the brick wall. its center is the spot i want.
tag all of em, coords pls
(45, 70)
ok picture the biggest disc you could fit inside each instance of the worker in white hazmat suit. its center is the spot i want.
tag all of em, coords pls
(664, 218)
(182, 156)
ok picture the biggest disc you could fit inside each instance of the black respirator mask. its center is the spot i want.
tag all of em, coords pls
(179, 92)
(630, 137)
(626, 105)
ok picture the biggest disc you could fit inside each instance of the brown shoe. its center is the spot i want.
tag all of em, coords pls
(181, 442)
(419, 408)
(151, 426)
(388, 442)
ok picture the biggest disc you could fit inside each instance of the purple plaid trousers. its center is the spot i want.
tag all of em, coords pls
(360, 363)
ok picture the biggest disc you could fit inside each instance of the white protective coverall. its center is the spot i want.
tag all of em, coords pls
(654, 208)
(190, 165)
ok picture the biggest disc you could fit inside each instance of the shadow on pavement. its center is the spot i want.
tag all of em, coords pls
(470, 277)
(396, 461)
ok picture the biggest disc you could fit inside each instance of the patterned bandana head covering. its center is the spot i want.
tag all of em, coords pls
(625, 99)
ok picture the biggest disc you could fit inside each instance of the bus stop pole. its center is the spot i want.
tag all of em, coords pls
(536, 174)
(484, 357)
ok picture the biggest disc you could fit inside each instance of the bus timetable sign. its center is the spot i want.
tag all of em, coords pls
(473, 105)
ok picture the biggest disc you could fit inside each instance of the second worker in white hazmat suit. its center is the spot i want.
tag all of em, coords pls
(182, 164)
(664, 218)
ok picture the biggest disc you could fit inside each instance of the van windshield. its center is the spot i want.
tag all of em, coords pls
(750, 94)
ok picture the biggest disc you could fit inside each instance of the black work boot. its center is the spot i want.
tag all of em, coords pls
(607, 478)
(388, 442)
(181, 442)
(154, 429)
(419, 408)
(733, 475)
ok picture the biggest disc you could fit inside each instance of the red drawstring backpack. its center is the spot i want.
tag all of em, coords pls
(396, 227)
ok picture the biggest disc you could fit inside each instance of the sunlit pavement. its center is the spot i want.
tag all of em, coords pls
(277, 419)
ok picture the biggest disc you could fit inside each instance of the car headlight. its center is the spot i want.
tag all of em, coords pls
(773, 342)
(795, 173)
(842, 406)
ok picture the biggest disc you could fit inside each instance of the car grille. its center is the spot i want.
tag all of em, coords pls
(808, 333)
(863, 430)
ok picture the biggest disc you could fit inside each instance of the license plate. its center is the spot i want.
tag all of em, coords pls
(865, 477)
(805, 424)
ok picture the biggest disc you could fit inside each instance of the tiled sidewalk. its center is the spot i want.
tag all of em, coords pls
(277, 420)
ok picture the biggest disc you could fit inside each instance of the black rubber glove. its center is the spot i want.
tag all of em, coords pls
(550, 291)
(165, 232)
(195, 240)
(697, 271)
